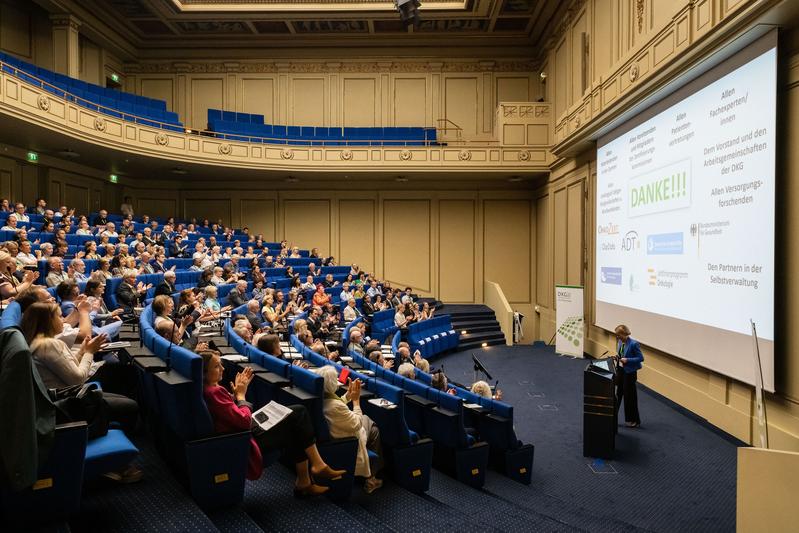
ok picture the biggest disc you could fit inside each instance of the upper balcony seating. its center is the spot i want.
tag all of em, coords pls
(118, 104)
(251, 128)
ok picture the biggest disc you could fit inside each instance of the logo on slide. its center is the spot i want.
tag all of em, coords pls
(630, 242)
(661, 190)
(610, 275)
(608, 229)
(665, 244)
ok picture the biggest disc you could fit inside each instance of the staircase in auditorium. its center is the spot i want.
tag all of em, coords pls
(477, 321)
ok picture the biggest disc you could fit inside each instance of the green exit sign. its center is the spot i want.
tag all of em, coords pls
(115, 78)
(33, 157)
(113, 178)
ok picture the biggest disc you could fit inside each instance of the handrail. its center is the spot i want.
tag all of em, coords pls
(151, 122)
(458, 129)
(76, 98)
(495, 299)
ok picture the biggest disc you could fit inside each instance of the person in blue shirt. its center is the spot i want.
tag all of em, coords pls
(629, 358)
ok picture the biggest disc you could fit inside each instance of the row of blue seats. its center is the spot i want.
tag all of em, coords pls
(433, 336)
(131, 107)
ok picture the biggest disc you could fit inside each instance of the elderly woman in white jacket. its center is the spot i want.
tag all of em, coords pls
(343, 422)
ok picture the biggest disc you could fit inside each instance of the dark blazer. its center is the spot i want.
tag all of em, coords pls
(165, 288)
(236, 299)
(26, 431)
(633, 354)
(177, 251)
(158, 267)
(127, 296)
(255, 320)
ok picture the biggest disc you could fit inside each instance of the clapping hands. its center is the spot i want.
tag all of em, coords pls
(242, 381)
(354, 390)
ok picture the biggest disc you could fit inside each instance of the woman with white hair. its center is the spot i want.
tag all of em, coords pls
(481, 388)
(343, 422)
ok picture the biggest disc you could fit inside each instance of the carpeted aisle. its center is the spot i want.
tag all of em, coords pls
(675, 473)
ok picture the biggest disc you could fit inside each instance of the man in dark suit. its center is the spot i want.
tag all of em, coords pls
(176, 249)
(254, 315)
(238, 296)
(101, 219)
(629, 357)
(167, 286)
(129, 292)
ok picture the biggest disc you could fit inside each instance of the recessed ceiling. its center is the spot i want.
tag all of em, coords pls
(150, 24)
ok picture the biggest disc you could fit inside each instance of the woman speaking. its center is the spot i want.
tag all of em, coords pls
(629, 358)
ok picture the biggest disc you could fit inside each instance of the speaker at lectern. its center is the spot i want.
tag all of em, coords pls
(599, 409)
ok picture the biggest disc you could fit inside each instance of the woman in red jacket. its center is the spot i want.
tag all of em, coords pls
(294, 434)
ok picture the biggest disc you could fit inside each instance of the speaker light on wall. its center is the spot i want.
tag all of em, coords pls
(33, 157)
(113, 178)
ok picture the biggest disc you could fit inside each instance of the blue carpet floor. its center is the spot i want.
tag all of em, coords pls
(675, 474)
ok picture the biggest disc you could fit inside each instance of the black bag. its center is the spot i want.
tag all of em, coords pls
(83, 403)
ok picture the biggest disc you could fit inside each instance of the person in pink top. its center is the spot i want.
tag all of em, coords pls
(294, 434)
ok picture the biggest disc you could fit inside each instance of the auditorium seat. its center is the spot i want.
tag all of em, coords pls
(111, 102)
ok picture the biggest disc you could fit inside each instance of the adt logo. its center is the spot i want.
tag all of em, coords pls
(630, 242)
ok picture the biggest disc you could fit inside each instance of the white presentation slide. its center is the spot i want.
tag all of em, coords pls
(685, 224)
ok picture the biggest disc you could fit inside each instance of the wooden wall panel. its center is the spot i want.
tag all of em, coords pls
(506, 246)
(356, 233)
(308, 102)
(512, 89)
(77, 196)
(543, 254)
(259, 216)
(161, 88)
(15, 30)
(461, 104)
(579, 80)
(456, 250)
(258, 96)
(156, 206)
(562, 87)
(406, 243)
(560, 236)
(211, 208)
(361, 107)
(574, 233)
(410, 102)
(306, 224)
(205, 93)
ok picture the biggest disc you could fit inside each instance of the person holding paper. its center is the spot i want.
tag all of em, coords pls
(294, 434)
(629, 358)
(344, 422)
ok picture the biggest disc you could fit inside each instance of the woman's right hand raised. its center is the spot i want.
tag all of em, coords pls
(94, 344)
(241, 383)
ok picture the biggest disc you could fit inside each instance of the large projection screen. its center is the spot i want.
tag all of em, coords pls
(685, 219)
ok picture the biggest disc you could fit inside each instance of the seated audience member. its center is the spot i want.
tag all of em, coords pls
(211, 301)
(439, 382)
(101, 219)
(400, 320)
(146, 266)
(351, 312)
(218, 277)
(177, 248)
(175, 332)
(309, 284)
(321, 348)
(320, 297)
(376, 356)
(109, 231)
(481, 388)
(329, 281)
(407, 370)
(367, 306)
(345, 294)
(407, 298)
(159, 265)
(238, 296)
(274, 315)
(343, 422)
(315, 323)
(167, 287)
(56, 272)
(77, 271)
(94, 294)
(356, 341)
(205, 279)
(83, 228)
(426, 311)
(129, 293)
(11, 224)
(90, 250)
(258, 291)
(254, 314)
(59, 366)
(103, 270)
(294, 435)
(25, 257)
(69, 294)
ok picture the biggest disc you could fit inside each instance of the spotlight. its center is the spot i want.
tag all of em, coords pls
(409, 12)
(463, 332)
(485, 345)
